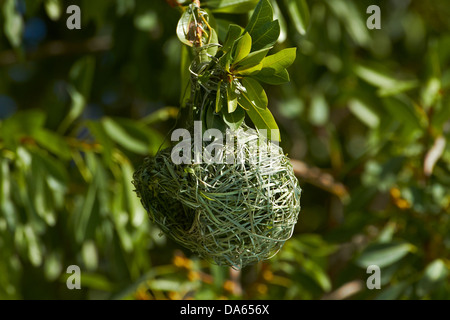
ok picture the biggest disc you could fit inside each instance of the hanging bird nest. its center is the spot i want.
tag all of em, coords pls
(236, 211)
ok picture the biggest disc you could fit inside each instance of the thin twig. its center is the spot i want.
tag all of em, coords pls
(345, 291)
(59, 48)
(318, 178)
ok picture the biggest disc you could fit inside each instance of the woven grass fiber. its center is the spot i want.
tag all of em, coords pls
(232, 213)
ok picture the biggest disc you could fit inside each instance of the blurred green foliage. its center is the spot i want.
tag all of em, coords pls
(79, 109)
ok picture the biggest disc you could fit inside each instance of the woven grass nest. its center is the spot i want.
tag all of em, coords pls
(232, 213)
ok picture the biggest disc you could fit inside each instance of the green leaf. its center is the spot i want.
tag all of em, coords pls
(266, 36)
(249, 70)
(299, 12)
(124, 138)
(251, 63)
(214, 120)
(212, 50)
(402, 110)
(319, 110)
(278, 15)
(219, 98)
(262, 14)
(234, 32)
(317, 273)
(235, 119)
(53, 9)
(56, 173)
(97, 130)
(89, 253)
(393, 292)
(19, 124)
(6, 203)
(14, 24)
(34, 247)
(230, 6)
(53, 143)
(273, 69)
(185, 76)
(232, 97)
(242, 47)
(52, 266)
(255, 93)
(261, 118)
(352, 19)
(81, 76)
(183, 28)
(364, 113)
(134, 207)
(86, 207)
(388, 85)
(430, 92)
(383, 254)
(279, 61)
(266, 76)
(435, 273)
(96, 281)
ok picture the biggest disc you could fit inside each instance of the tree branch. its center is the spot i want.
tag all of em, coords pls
(59, 48)
(320, 179)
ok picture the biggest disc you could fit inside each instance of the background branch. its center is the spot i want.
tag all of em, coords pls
(318, 178)
(59, 48)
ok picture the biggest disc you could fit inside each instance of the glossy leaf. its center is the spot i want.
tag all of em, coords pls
(266, 36)
(262, 14)
(263, 119)
(81, 76)
(118, 133)
(53, 142)
(235, 119)
(267, 76)
(232, 97)
(383, 254)
(254, 93)
(364, 113)
(242, 47)
(299, 12)
(184, 32)
(251, 63)
(230, 6)
(234, 32)
(279, 61)
(435, 274)
(14, 24)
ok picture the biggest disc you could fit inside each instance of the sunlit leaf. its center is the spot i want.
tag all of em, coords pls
(184, 33)
(299, 12)
(242, 47)
(232, 97)
(254, 93)
(383, 254)
(251, 63)
(53, 9)
(230, 6)
(364, 113)
(14, 24)
(120, 135)
(262, 14)
(266, 36)
(435, 274)
(81, 76)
